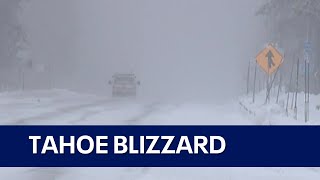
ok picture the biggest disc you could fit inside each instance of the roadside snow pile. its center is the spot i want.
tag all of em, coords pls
(281, 112)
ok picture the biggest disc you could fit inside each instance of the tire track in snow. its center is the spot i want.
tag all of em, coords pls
(149, 109)
(133, 173)
(136, 120)
(55, 173)
(60, 111)
(46, 173)
(86, 115)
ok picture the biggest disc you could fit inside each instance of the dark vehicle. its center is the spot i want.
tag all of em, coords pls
(124, 85)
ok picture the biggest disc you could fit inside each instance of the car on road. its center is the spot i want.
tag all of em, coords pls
(124, 85)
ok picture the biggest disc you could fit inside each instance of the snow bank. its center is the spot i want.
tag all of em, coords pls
(277, 113)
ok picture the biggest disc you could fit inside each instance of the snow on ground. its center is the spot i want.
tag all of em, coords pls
(61, 107)
(64, 107)
(274, 113)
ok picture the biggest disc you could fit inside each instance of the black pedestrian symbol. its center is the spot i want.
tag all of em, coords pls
(270, 59)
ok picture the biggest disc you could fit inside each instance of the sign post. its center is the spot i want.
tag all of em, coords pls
(270, 60)
(254, 83)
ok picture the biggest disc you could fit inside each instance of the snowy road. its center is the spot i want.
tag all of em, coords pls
(63, 107)
(59, 107)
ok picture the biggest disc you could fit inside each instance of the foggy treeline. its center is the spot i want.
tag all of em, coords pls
(290, 24)
(176, 48)
(11, 37)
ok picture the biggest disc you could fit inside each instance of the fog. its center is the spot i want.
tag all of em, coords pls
(187, 50)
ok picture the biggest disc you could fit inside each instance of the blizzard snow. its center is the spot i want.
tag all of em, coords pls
(63, 107)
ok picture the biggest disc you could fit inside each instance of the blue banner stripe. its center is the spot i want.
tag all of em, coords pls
(245, 146)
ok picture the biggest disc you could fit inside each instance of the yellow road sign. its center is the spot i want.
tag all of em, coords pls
(269, 59)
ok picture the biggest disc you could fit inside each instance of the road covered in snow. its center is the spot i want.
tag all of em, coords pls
(61, 107)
